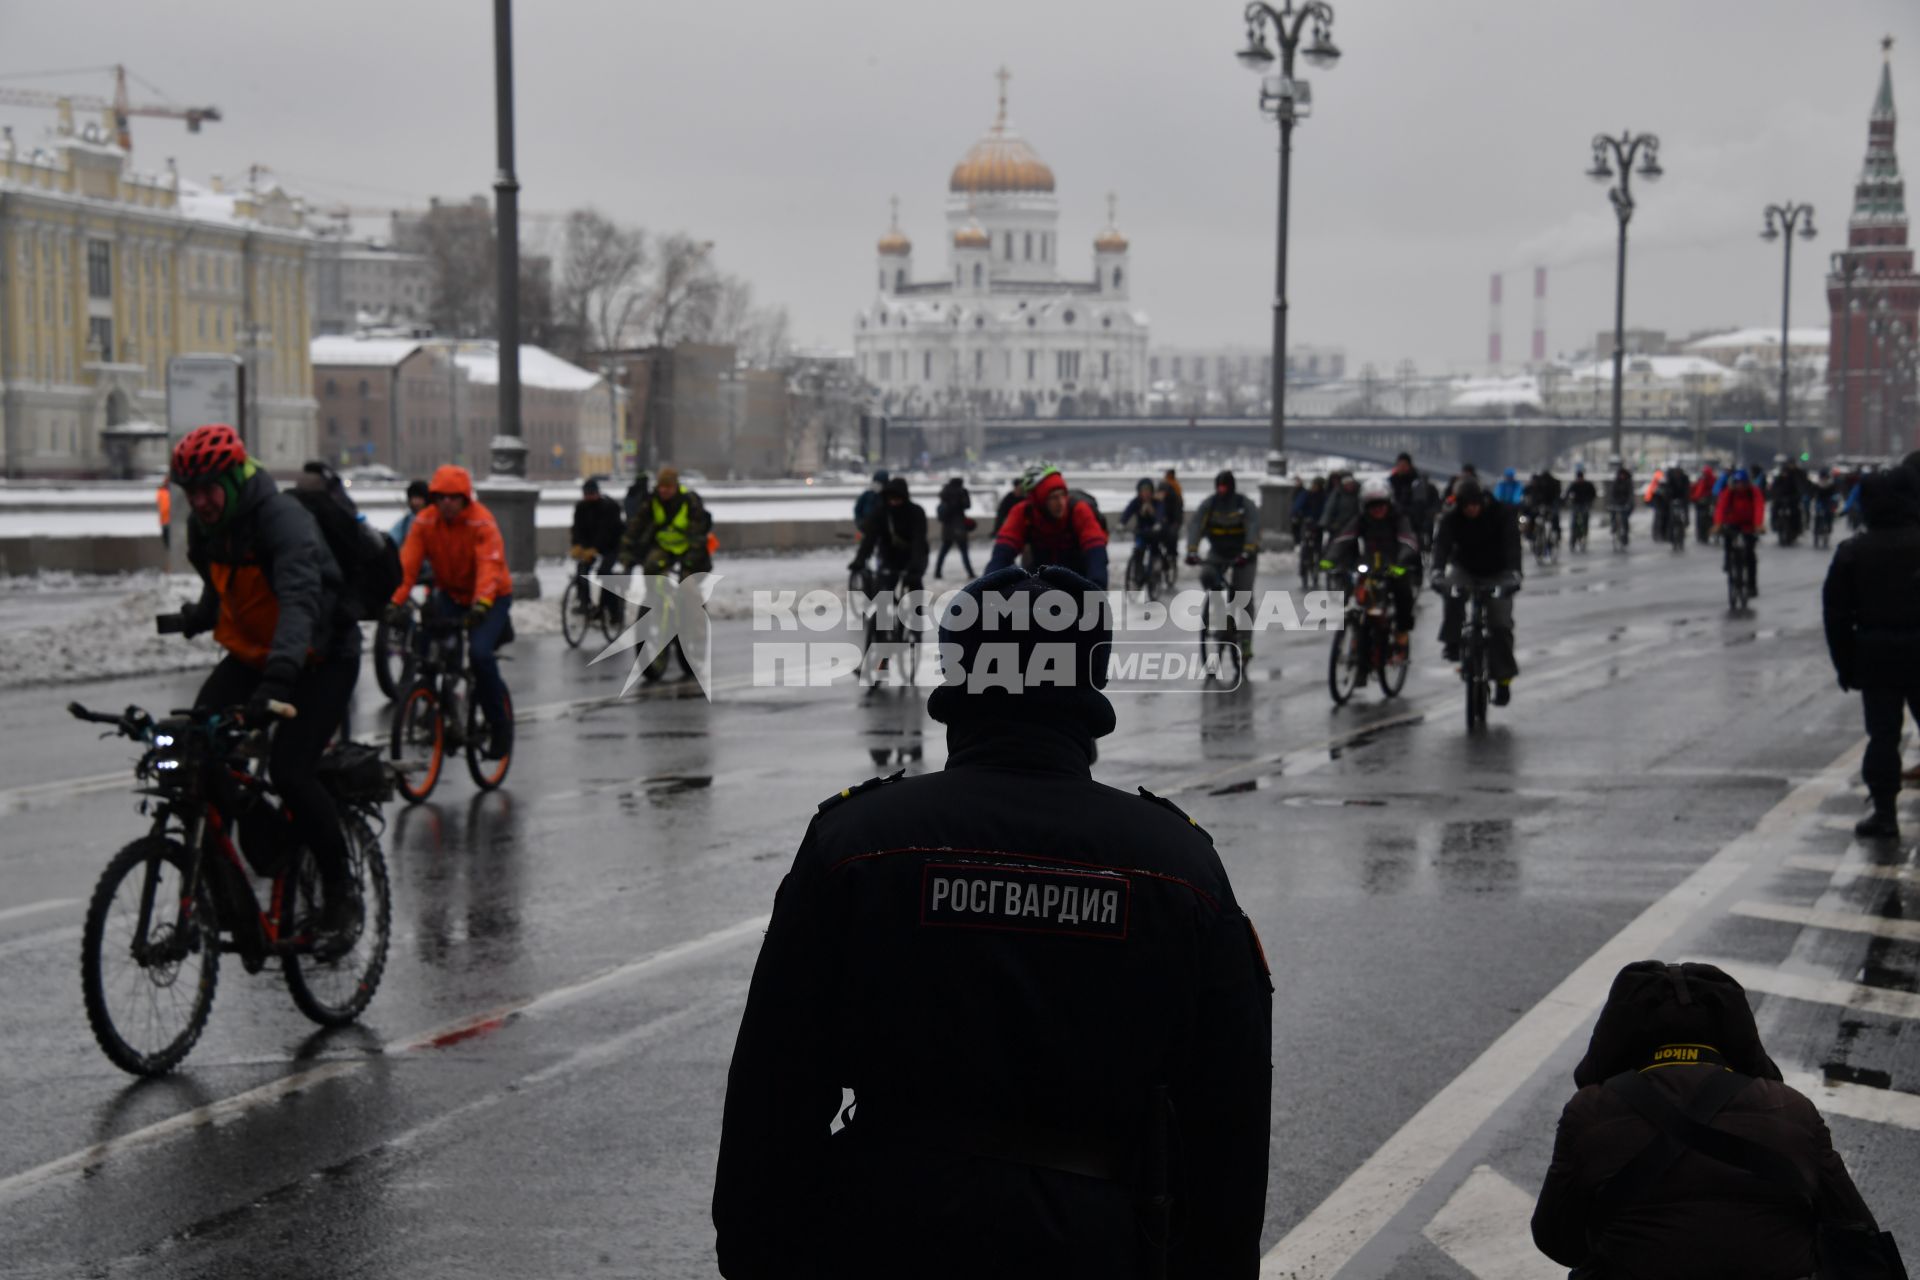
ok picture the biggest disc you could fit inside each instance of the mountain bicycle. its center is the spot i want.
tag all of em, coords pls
(1149, 570)
(1736, 562)
(1364, 646)
(887, 642)
(1822, 523)
(440, 710)
(1475, 669)
(393, 647)
(1312, 577)
(170, 903)
(1617, 526)
(585, 604)
(1677, 523)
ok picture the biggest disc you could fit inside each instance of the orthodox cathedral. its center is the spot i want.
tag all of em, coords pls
(1000, 331)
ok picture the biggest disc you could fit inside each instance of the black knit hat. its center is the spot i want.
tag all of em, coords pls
(1653, 1003)
(1012, 648)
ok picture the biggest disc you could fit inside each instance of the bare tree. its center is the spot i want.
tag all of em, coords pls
(601, 277)
(1405, 372)
(683, 293)
(457, 240)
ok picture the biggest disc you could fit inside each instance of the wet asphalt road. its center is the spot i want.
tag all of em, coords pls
(536, 1090)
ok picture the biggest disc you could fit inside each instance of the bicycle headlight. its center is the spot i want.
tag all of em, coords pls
(164, 759)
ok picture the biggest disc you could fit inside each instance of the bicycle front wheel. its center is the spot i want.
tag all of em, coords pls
(393, 656)
(575, 617)
(488, 772)
(1393, 674)
(334, 988)
(149, 958)
(1343, 665)
(418, 744)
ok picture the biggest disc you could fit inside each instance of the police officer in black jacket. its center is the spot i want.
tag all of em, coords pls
(1054, 1018)
(1871, 606)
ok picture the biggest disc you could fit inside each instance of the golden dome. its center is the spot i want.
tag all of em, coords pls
(972, 236)
(1110, 240)
(1002, 161)
(895, 242)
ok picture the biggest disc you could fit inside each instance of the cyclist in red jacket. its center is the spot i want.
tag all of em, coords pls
(1742, 513)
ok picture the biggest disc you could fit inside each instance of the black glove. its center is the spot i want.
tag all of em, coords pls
(477, 613)
(854, 566)
(273, 687)
(396, 614)
(1192, 558)
(1240, 561)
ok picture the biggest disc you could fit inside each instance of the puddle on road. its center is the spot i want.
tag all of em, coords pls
(1476, 856)
(668, 783)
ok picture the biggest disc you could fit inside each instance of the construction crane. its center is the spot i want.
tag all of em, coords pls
(123, 109)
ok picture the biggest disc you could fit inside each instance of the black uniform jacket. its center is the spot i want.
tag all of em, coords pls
(1871, 607)
(1015, 969)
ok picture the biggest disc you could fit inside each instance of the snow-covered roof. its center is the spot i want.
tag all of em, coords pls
(374, 352)
(1506, 394)
(1665, 367)
(1740, 338)
(538, 367)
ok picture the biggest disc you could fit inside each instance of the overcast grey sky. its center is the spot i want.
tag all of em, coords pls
(1449, 142)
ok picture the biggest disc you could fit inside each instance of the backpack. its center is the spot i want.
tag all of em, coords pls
(369, 561)
(1081, 495)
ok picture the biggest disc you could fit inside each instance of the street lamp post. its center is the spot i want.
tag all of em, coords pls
(1782, 221)
(1622, 151)
(1288, 100)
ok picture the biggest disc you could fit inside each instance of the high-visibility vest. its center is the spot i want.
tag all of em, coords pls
(672, 536)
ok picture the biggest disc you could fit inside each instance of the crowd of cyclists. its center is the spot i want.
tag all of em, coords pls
(263, 603)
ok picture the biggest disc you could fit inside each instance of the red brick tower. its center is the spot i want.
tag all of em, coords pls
(1873, 298)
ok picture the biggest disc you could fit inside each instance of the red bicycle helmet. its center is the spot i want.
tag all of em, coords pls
(206, 452)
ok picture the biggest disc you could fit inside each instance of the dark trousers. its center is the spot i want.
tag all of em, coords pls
(1747, 543)
(951, 536)
(1885, 709)
(1500, 660)
(483, 641)
(320, 696)
(609, 560)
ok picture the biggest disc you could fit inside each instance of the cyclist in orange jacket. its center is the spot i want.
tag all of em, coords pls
(458, 536)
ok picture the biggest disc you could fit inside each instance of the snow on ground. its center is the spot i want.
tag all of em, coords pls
(56, 628)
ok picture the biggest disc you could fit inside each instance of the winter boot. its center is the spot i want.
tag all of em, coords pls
(1881, 824)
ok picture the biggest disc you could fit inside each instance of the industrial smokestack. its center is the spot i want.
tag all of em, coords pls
(1493, 322)
(1539, 315)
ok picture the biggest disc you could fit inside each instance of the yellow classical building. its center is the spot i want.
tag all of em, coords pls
(106, 274)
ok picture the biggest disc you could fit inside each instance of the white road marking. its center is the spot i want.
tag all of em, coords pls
(1484, 1228)
(1794, 986)
(1859, 1101)
(214, 1113)
(1328, 1237)
(28, 1181)
(1843, 868)
(35, 908)
(15, 799)
(1818, 918)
